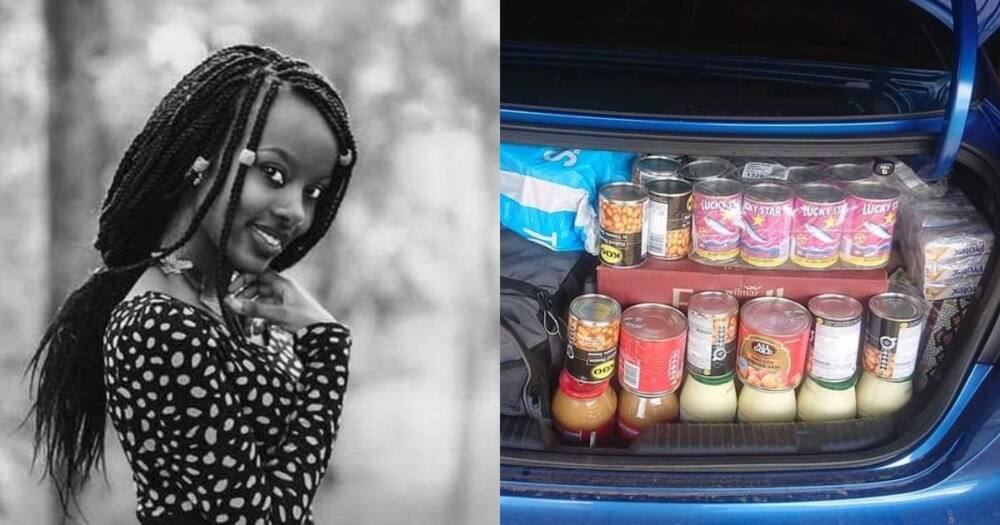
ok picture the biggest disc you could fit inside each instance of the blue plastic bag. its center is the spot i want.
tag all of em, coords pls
(549, 195)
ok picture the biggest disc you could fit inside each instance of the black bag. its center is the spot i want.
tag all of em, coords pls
(536, 287)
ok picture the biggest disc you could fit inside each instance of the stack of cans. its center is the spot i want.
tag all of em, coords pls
(650, 365)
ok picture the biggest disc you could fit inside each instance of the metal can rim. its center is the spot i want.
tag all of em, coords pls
(674, 312)
(856, 189)
(919, 306)
(734, 189)
(746, 311)
(658, 158)
(730, 310)
(725, 168)
(680, 192)
(802, 193)
(750, 191)
(616, 310)
(826, 315)
(640, 196)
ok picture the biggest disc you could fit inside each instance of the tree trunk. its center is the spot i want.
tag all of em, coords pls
(77, 35)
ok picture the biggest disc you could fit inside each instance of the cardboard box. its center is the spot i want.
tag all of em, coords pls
(673, 282)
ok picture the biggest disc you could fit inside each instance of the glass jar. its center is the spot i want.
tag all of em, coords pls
(637, 412)
(584, 413)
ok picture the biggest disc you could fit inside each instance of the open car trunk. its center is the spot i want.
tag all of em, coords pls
(765, 446)
(609, 72)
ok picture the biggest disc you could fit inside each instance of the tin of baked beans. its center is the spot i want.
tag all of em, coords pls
(594, 325)
(833, 354)
(892, 336)
(817, 225)
(651, 349)
(774, 337)
(767, 224)
(871, 219)
(842, 175)
(715, 232)
(668, 218)
(798, 175)
(648, 168)
(697, 170)
(623, 242)
(711, 342)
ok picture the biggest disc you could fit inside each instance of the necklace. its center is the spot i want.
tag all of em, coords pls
(174, 265)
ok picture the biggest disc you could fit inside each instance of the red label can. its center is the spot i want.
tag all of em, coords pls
(774, 339)
(767, 224)
(651, 349)
(817, 225)
(871, 219)
(715, 232)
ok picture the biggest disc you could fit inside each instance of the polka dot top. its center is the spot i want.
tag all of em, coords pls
(218, 431)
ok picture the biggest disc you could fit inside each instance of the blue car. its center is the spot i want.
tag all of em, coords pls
(909, 79)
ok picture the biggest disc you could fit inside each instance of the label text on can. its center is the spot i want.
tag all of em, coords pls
(816, 233)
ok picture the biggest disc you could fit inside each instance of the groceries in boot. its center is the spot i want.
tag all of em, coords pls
(793, 362)
(946, 245)
(812, 216)
(549, 195)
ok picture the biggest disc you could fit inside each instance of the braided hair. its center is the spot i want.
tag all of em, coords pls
(208, 111)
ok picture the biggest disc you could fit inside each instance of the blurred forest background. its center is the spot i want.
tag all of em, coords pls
(410, 262)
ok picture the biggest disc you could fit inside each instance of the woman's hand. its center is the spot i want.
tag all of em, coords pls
(277, 299)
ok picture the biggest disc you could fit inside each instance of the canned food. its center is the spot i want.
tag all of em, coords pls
(712, 320)
(798, 175)
(842, 175)
(774, 336)
(871, 219)
(707, 168)
(767, 224)
(833, 355)
(623, 243)
(594, 325)
(668, 224)
(816, 228)
(892, 339)
(651, 349)
(716, 229)
(654, 167)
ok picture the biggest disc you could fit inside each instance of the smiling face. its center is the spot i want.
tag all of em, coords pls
(295, 161)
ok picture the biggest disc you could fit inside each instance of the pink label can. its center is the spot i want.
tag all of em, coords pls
(820, 210)
(715, 232)
(871, 219)
(767, 225)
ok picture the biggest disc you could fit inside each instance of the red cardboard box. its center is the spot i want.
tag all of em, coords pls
(673, 282)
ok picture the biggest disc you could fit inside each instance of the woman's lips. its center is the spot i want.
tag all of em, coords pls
(269, 243)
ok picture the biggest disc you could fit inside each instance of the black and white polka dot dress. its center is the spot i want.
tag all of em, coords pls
(218, 431)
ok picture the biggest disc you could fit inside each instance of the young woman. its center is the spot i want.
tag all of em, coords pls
(223, 379)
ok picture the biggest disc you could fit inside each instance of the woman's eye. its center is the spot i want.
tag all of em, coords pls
(314, 193)
(275, 175)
